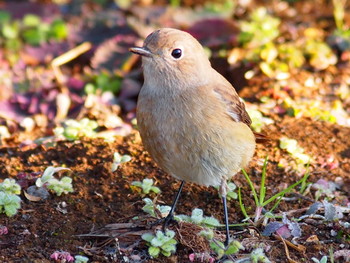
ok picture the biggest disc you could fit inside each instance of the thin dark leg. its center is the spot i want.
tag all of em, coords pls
(227, 241)
(170, 216)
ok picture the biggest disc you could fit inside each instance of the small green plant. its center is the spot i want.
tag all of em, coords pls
(296, 151)
(322, 260)
(102, 83)
(63, 186)
(81, 259)
(341, 36)
(231, 194)
(218, 247)
(160, 243)
(119, 159)
(147, 186)
(258, 255)
(277, 60)
(198, 219)
(30, 30)
(9, 186)
(73, 130)
(314, 109)
(320, 54)
(220, 7)
(260, 201)
(258, 120)
(9, 203)
(150, 208)
(260, 30)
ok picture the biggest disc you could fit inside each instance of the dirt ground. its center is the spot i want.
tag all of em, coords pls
(103, 217)
(102, 197)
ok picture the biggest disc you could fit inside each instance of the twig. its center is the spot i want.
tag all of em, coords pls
(286, 249)
(66, 57)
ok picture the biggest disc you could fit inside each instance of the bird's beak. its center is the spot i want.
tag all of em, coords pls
(142, 51)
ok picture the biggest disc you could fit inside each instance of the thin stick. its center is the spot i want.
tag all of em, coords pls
(66, 57)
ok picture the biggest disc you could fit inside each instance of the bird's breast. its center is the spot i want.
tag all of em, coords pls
(186, 137)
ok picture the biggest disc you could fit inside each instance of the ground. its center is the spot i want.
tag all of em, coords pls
(103, 218)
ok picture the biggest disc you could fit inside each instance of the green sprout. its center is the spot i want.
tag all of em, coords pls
(63, 186)
(261, 29)
(81, 259)
(297, 152)
(260, 201)
(163, 243)
(102, 83)
(9, 203)
(277, 60)
(31, 29)
(119, 159)
(258, 120)
(9, 186)
(150, 208)
(341, 36)
(320, 54)
(218, 247)
(147, 186)
(73, 130)
(231, 187)
(258, 255)
(315, 109)
(322, 260)
(198, 219)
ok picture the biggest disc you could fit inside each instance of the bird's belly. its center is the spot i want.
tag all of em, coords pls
(189, 151)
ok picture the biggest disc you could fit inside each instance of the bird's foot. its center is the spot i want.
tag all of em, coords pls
(166, 221)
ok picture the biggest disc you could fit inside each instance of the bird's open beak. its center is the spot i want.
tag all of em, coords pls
(141, 51)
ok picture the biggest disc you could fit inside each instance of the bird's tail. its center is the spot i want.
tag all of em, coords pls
(261, 138)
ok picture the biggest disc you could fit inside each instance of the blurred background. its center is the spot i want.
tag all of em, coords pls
(64, 59)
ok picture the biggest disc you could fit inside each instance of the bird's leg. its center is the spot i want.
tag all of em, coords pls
(223, 193)
(170, 216)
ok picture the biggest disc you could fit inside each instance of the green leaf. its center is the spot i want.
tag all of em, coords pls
(208, 234)
(10, 30)
(137, 183)
(170, 233)
(166, 253)
(58, 30)
(31, 20)
(125, 158)
(10, 186)
(169, 247)
(155, 189)
(5, 17)
(211, 221)
(231, 250)
(153, 251)
(9, 203)
(33, 36)
(197, 216)
(147, 237)
(218, 248)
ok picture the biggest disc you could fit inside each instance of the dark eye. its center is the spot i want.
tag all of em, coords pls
(176, 53)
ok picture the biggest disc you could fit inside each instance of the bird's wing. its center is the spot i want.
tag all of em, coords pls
(235, 107)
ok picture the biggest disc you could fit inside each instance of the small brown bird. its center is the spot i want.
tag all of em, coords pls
(190, 118)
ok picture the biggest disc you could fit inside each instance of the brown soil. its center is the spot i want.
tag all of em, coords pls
(102, 197)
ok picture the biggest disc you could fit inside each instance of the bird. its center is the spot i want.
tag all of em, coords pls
(190, 118)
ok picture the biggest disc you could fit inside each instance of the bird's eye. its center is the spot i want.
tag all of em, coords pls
(176, 53)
